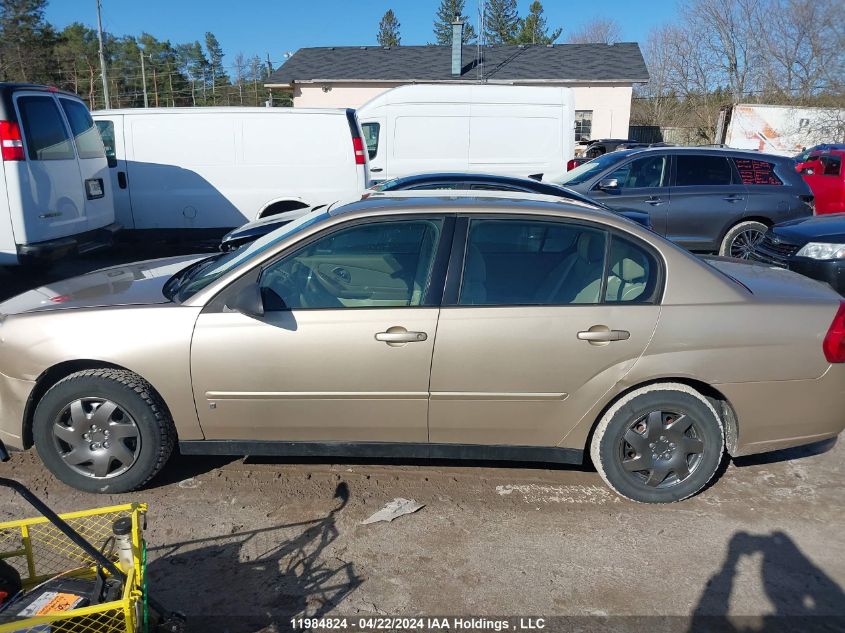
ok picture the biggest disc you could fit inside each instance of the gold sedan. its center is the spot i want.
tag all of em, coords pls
(449, 326)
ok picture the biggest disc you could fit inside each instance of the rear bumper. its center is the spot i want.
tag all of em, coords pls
(81, 243)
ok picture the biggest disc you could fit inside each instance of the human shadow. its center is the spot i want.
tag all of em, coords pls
(803, 597)
(253, 580)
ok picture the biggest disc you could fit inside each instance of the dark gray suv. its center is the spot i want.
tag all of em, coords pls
(705, 199)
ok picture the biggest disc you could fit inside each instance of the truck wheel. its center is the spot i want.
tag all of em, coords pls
(741, 239)
(659, 444)
(103, 430)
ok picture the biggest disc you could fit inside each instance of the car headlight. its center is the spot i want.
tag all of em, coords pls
(822, 250)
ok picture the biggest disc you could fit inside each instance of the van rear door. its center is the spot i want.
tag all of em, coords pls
(93, 167)
(46, 196)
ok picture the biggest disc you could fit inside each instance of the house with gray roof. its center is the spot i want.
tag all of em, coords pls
(602, 76)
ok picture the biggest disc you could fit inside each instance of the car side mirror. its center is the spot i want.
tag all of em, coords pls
(608, 184)
(248, 301)
(808, 171)
(111, 160)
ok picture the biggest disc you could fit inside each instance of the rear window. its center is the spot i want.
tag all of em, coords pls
(88, 142)
(703, 170)
(756, 172)
(43, 129)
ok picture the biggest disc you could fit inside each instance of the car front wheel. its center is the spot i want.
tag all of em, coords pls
(103, 430)
(659, 444)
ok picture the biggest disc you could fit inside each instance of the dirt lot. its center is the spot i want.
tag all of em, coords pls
(244, 545)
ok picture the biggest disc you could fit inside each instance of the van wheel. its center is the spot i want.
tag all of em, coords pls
(659, 444)
(103, 430)
(741, 239)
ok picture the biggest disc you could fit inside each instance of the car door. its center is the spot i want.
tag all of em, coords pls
(111, 130)
(93, 166)
(343, 351)
(708, 198)
(534, 331)
(642, 184)
(50, 184)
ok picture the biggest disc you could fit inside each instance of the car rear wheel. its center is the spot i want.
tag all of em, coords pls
(659, 444)
(103, 430)
(741, 239)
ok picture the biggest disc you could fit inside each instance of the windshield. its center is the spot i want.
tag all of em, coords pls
(587, 170)
(190, 281)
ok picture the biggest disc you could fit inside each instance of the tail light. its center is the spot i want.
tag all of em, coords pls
(834, 342)
(571, 164)
(358, 146)
(11, 142)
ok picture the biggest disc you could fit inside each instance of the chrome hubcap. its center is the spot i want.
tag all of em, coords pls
(661, 449)
(743, 244)
(96, 438)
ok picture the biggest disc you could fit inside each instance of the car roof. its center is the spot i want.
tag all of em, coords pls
(691, 149)
(445, 201)
(457, 176)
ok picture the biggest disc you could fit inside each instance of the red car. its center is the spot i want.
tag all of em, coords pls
(823, 172)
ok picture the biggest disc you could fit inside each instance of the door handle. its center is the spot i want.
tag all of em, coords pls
(400, 335)
(601, 335)
(654, 201)
(376, 169)
(121, 179)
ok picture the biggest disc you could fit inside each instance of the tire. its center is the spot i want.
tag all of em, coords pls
(103, 430)
(741, 238)
(678, 461)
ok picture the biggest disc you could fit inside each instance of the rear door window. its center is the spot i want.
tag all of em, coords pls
(88, 141)
(702, 170)
(756, 172)
(831, 165)
(632, 273)
(45, 134)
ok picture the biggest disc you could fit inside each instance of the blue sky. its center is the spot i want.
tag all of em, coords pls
(280, 26)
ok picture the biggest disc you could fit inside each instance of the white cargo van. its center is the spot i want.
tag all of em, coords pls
(506, 130)
(217, 168)
(54, 192)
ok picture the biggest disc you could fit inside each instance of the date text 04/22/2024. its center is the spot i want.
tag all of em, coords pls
(369, 623)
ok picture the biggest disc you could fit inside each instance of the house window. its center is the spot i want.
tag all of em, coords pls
(583, 125)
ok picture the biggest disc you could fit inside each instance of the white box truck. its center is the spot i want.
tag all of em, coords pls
(213, 169)
(507, 130)
(776, 129)
(55, 197)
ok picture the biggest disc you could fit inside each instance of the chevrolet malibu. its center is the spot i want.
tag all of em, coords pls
(427, 327)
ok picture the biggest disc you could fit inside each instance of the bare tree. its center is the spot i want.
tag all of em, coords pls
(241, 66)
(597, 31)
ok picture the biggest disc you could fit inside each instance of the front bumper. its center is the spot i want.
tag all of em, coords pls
(54, 249)
(14, 396)
(830, 271)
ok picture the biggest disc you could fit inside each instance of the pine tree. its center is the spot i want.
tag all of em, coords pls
(533, 29)
(26, 42)
(443, 23)
(388, 30)
(501, 21)
(219, 80)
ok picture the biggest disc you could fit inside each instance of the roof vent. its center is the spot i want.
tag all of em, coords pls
(363, 48)
(550, 45)
(522, 46)
(387, 48)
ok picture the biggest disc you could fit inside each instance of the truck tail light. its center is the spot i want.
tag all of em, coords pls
(358, 147)
(834, 342)
(571, 164)
(11, 142)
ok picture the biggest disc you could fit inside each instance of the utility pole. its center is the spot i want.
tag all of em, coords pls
(102, 56)
(269, 102)
(144, 80)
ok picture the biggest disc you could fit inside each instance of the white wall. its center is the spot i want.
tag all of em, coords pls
(610, 104)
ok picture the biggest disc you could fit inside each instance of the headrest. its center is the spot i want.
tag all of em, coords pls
(590, 247)
(631, 270)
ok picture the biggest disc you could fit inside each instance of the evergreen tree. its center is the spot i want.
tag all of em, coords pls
(501, 21)
(26, 42)
(533, 29)
(388, 30)
(218, 79)
(443, 23)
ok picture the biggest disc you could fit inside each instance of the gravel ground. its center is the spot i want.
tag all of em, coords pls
(246, 544)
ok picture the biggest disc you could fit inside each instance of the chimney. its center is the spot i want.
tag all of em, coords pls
(457, 45)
